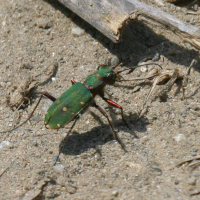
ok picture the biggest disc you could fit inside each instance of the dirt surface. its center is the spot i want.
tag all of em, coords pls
(43, 47)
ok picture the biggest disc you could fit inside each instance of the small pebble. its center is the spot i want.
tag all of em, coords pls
(3, 84)
(179, 138)
(8, 84)
(3, 23)
(114, 61)
(27, 66)
(143, 69)
(59, 168)
(183, 112)
(194, 117)
(156, 57)
(4, 144)
(35, 143)
(44, 23)
(37, 118)
(122, 134)
(176, 182)
(159, 2)
(115, 193)
(82, 67)
(144, 139)
(77, 31)
(193, 153)
(114, 175)
(191, 181)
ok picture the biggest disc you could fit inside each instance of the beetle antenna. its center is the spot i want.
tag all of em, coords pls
(116, 65)
(132, 68)
(122, 61)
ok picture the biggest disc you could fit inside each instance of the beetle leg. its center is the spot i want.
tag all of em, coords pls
(65, 139)
(111, 126)
(43, 94)
(114, 104)
(73, 81)
(48, 96)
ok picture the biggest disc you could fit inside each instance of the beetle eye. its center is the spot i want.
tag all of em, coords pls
(110, 75)
(101, 66)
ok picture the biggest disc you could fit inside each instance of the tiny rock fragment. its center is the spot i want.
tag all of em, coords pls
(180, 138)
(77, 31)
(43, 23)
(191, 181)
(4, 144)
(59, 168)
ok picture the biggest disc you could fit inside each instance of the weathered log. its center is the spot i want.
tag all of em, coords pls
(111, 16)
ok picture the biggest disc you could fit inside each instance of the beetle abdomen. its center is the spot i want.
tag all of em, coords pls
(67, 106)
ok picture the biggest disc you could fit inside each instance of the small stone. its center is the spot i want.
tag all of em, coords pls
(180, 138)
(183, 112)
(194, 117)
(114, 175)
(159, 2)
(114, 61)
(35, 143)
(77, 31)
(59, 168)
(193, 153)
(87, 122)
(3, 84)
(71, 189)
(19, 193)
(156, 57)
(144, 139)
(176, 182)
(115, 193)
(82, 67)
(43, 23)
(27, 66)
(4, 144)
(191, 181)
(3, 23)
(143, 69)
(37, 118)
(124, 134)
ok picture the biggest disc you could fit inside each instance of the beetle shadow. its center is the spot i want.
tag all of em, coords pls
(78, 143)
(138, 41)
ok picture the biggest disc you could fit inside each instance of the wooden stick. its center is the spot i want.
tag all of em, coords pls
(111, 16)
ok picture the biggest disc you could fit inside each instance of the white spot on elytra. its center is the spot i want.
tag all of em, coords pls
(64, 109)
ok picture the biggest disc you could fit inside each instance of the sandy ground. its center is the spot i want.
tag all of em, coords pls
(40, 46)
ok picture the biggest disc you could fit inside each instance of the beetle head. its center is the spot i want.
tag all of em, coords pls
(107, 74)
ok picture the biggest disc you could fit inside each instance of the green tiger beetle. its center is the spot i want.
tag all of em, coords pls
(77, 98)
